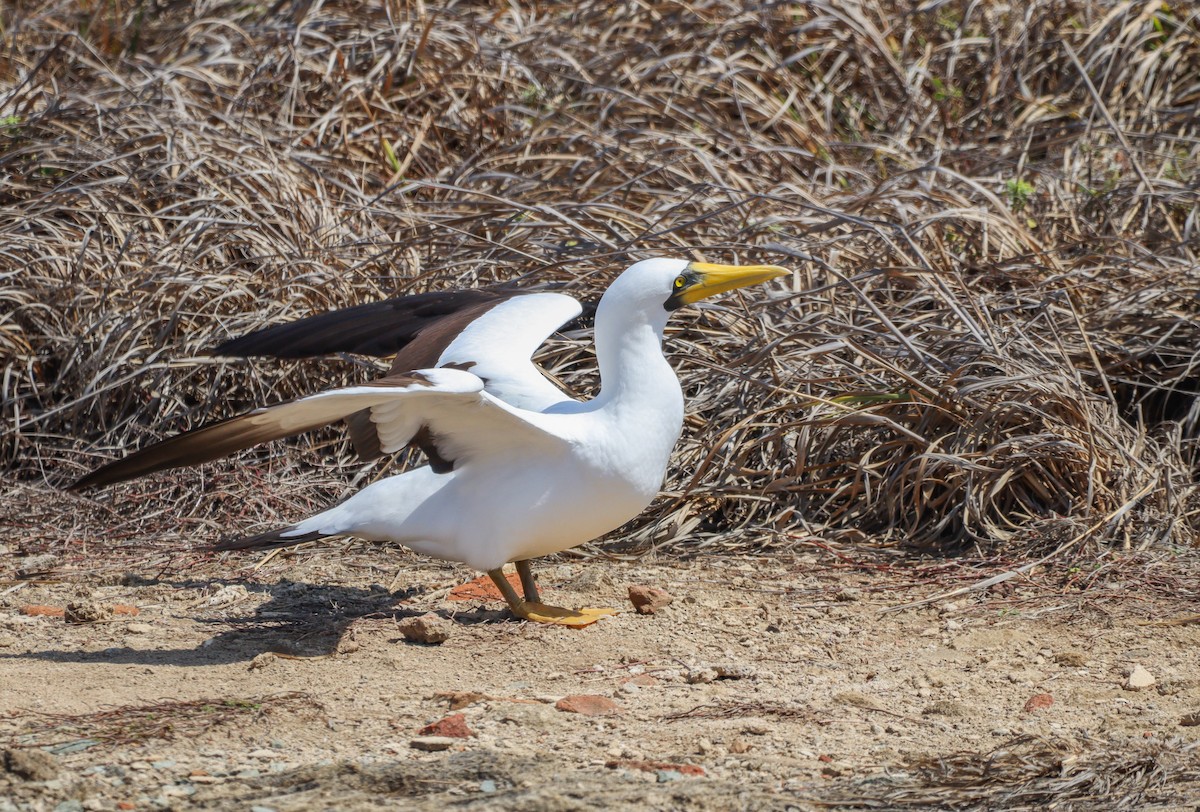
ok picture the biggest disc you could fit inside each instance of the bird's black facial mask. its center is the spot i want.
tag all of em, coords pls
(700, 280)
(683, 283)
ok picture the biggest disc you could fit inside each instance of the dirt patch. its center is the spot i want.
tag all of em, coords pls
(765, 684)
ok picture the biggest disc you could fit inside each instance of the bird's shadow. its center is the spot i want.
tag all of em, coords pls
(299, 621)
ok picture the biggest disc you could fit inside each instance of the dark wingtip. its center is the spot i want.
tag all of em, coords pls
(265, 541)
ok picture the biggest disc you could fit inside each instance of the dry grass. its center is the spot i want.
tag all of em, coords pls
(990, 341)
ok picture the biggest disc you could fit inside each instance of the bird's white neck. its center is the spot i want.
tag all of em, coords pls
(635, 378)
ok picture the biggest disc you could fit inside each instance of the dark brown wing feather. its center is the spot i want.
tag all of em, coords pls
(233, 434)
(378, 328)
(266, 541)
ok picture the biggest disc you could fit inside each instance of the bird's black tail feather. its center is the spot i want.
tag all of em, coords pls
(267, 541)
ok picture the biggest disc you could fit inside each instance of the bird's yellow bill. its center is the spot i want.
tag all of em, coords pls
(713, 279)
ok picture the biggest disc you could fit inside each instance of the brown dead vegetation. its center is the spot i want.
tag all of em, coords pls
(992, 211)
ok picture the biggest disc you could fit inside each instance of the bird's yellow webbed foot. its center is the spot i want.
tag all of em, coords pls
(544, 613)
(530, 608)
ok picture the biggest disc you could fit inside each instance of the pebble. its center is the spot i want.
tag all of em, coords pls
(453, 726)
(735, 672)
(1038, 702)
(263, 754)
(848, 594)
(72, 805)
(588, 705)
(1190, 719)
(87, 612)
(701, 676)
(487, 785)
(649, 599)
(139, 628)
(529, 716)
(665, 776)
(433, 744)
(429, 628)
(262, 660)
(1139, 679)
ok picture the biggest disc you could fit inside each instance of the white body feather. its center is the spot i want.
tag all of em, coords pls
(527, 482)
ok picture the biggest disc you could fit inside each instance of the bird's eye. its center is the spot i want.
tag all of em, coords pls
(679, 282)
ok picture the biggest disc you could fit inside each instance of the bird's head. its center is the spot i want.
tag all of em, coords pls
(669, 284)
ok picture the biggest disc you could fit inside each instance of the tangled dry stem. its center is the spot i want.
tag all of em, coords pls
(992, 213)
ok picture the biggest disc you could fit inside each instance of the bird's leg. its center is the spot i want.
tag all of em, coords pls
(528, 585)
(540, 612)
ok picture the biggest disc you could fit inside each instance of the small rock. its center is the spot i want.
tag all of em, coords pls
(739, 746)
(701, 676)
(533, 717)
(665, 776)
(432, 744)
(734, 671)
(1139, 679)
(1038, 702)
(649, 599)
(226, 595)
(588, 705)
(640, 680)
(139, 628)
(262, 754)
(848, 594)
(73, 805)
(1190, 719)
(41, 610)
(87, 612)
(453, 726)
(261, 660)
(32, 765)
(460, 699)
(487, 785)
(428, 628)
(1071, 659)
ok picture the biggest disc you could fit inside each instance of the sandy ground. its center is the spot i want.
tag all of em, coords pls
(764, 685)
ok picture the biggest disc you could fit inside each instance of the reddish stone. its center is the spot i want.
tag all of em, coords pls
(655, 766)
(640, 680)
(649, 599)
(453, 726)
(825, 759)
(40, 610)
(588, 705)
(482, 589)
(1038, 702)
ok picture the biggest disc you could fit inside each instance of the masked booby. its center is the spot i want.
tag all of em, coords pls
(519, 470)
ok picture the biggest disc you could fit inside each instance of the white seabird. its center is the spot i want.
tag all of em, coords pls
(518, 469)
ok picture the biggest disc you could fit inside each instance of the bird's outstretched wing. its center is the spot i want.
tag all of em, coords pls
(449, 405)
(494, 332)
